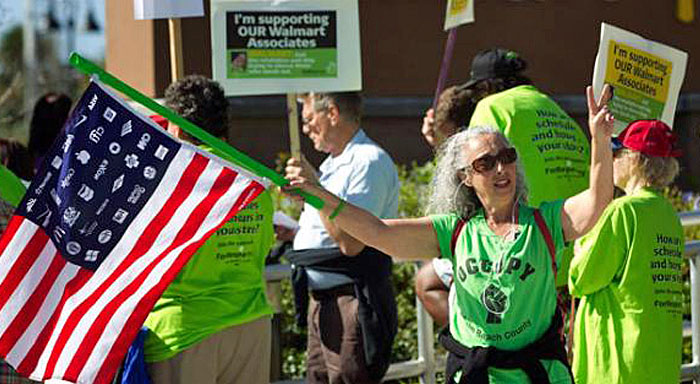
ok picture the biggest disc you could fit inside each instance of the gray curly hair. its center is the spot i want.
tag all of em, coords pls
(448, 193)
(652, 171)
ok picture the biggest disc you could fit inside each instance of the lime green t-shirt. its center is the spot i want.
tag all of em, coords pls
(11, 193)
(505, 296)
(11, 188)
(221, 286)
(628, 274)
(554, 151)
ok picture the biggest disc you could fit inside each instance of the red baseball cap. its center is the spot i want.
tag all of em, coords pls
(650, 137)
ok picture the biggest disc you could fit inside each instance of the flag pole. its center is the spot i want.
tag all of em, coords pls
(226, 151)
(293, 118)
(445, 67)
(444, 71)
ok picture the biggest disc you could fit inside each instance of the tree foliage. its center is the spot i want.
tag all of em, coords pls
(51, 74)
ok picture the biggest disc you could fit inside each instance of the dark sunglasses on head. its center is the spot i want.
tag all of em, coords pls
(487, 162)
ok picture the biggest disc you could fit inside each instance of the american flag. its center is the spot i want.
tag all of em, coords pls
(117, 208)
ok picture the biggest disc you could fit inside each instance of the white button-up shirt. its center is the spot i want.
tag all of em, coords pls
(364, 175)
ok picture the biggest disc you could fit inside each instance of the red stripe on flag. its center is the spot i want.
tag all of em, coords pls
(22, 264)
(182, 190)
(133, 324)
(30, 361)
(10, 231)
(249, 194)
(31, 307)
(222, 184)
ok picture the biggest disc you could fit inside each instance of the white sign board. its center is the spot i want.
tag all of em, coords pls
(459, 12)
(646, 76)
(277, 47)
(167, 9)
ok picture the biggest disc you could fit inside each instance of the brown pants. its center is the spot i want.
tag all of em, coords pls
(239, 354)
(335, 348)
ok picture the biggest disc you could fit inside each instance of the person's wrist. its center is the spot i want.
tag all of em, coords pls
(338, 208)
(601, 139)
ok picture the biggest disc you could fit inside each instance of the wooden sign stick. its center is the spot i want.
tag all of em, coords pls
(176, 61)
(293, 118)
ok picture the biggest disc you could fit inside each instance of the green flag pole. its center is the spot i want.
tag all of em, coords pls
(223, 149)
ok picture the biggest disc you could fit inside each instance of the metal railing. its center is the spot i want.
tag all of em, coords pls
(428, 364)
(691, 371)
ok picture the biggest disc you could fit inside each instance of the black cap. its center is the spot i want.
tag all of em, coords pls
(493, 63)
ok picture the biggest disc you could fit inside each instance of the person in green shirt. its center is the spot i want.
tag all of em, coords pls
(553, 149)
(213, 322)
(503, 306)
(627, 270)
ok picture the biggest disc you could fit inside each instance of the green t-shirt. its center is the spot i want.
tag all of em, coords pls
(11, 187)
(221, 286)
(554, 151)
(628, 273)
(11, 194)
(504, 290)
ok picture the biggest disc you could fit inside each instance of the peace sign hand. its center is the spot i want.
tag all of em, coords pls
(600, 119)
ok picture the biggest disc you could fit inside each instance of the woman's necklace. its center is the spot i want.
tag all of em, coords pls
(510, 236)
(513, 229)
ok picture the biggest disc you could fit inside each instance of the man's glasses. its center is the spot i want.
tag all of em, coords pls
(487, 162)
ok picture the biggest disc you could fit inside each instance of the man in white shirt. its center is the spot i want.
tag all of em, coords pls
(345, 271)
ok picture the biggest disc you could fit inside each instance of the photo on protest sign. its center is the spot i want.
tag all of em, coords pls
(267, 47)
(459, 12)
(646, 76)
(164, 9)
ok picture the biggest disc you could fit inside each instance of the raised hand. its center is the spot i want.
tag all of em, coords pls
(600, 119)
(430, 134)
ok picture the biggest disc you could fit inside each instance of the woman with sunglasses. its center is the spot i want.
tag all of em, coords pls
(504, 303)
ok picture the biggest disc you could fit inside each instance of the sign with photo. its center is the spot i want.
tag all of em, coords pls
(646, 76)
(272, 47)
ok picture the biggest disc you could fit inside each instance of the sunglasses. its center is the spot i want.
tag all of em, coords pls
(487, 162)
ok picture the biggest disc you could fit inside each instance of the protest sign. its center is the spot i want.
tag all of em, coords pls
(646, 76)
(164, 9)
(459, 12)
(272, 47)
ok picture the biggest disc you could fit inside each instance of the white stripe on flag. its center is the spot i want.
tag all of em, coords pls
(177, 222)
(28, 284)
(159, 198)
(116, 324)
(214, 219)
(15, 246)
(53, 297)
